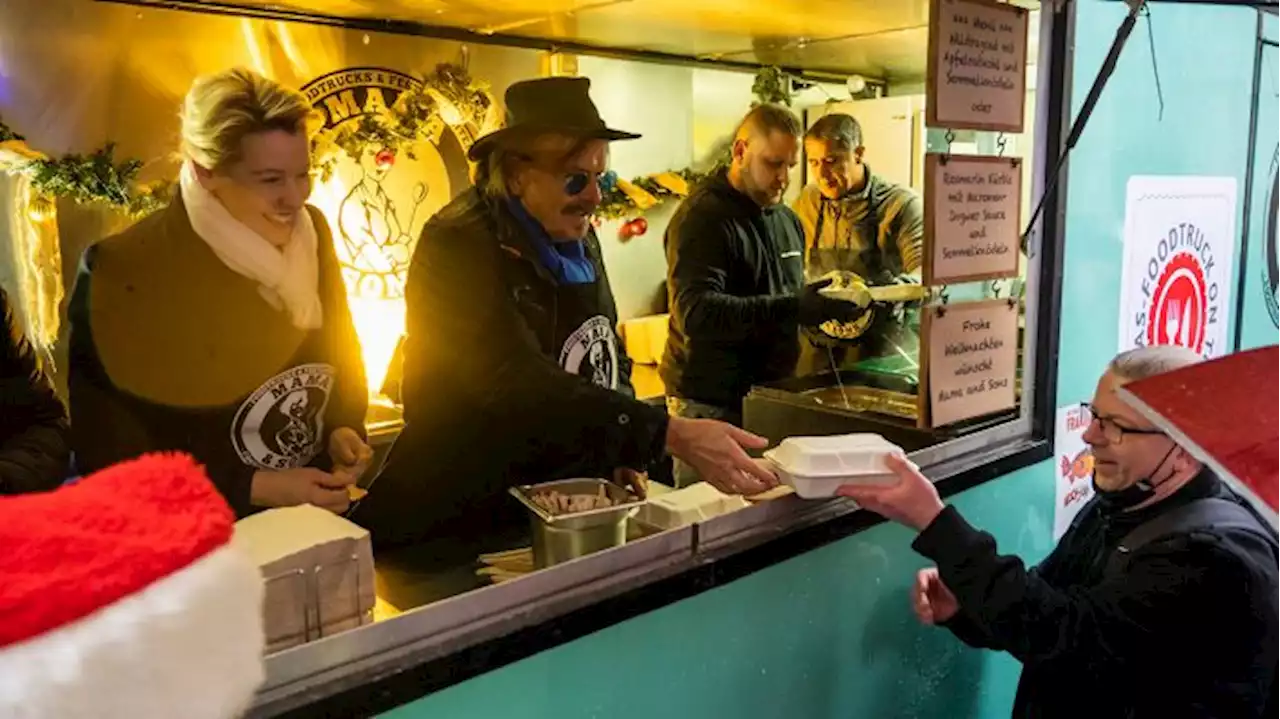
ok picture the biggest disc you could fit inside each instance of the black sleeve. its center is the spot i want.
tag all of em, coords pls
(970, 632)
(1034, 621)
(33, 423)
(109, 426)
(462, 318)
(699, 256)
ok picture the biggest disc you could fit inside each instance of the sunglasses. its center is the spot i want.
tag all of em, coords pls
(575, 183)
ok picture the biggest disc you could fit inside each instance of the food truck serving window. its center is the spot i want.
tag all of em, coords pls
(953, 363)
(925, 188)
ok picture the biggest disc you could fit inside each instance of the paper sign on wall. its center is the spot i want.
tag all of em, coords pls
(1072, 466)
(977, 73)
(973, 218)
(1175, 286)
(972, 359)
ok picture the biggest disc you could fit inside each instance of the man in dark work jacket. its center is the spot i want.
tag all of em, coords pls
(1177, 619)
(735, 279)
(34, 451)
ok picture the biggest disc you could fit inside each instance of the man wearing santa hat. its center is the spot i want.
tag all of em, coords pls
(122, 597)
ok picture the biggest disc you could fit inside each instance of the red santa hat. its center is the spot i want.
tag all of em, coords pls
(122, 596)
(1223, 411)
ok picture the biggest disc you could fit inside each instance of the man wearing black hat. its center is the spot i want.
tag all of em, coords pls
(513, 372)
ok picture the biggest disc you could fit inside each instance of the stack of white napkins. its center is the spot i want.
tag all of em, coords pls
(318, 572)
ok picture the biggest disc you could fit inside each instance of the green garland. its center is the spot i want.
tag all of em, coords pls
(92, 179)
(771, 85)
(7, 134)
(617, 204)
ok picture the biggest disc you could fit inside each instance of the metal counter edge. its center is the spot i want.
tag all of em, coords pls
(379, 666)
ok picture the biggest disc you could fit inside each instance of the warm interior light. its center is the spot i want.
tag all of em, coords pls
(379, 321)
(450, 114)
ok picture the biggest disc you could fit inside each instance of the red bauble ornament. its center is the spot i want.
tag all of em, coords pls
(384, 159)
(633, 228)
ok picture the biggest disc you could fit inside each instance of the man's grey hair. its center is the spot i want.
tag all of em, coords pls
(837, 129)
(1149, 361)
(491, 172)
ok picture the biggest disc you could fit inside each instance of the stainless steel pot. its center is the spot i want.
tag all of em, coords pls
(560, 538)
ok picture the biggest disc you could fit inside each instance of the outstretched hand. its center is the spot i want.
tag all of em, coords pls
(717, 451)
(912, 500)
(931, 600)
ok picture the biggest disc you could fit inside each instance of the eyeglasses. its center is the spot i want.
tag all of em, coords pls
(1114, 433)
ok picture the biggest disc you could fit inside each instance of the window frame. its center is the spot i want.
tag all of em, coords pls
(388, 663)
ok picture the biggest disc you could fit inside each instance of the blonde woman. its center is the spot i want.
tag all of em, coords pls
(219, 326)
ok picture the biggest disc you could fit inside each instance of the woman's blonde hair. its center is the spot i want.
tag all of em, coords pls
(223, 108)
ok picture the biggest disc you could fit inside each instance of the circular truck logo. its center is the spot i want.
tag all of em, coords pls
(1271, 262)
(1179, 305)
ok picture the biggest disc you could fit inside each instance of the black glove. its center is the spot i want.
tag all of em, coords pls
(816, 308)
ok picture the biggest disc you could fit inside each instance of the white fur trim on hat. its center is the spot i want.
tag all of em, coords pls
(188, 646)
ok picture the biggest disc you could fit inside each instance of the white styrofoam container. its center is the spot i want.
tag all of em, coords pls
(817, 466)
(695, 503)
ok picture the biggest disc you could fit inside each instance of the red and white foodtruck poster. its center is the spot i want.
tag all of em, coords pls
(1225, 412)
(1072, 467)
(1179, 241)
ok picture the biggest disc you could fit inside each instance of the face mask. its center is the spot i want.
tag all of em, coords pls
(1136, 493)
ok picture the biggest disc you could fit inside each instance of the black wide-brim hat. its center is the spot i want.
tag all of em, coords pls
(549, 104)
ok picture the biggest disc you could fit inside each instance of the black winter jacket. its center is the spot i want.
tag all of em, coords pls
(1188, 630)
(172, 350)
(509, 378)
(33, 423)
(733, 271)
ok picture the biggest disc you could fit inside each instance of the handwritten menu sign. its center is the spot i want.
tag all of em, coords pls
(973, 212)
(972, 359)
(977, 76)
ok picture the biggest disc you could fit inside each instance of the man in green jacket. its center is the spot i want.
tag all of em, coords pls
(856, 221)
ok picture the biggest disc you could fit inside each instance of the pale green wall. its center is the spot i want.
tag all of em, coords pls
(829, 634)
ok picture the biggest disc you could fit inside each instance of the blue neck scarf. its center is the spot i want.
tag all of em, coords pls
(566, 261)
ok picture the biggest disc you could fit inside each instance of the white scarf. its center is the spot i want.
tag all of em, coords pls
(287, 276)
